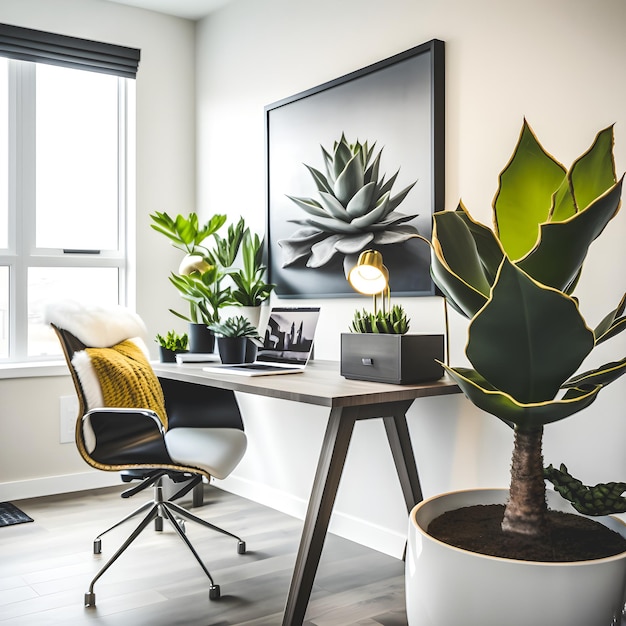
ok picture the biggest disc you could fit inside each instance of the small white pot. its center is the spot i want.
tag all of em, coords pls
(448, 586)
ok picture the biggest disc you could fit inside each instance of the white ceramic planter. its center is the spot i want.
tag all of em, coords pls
(447, 586)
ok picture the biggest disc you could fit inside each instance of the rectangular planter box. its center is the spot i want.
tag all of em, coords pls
(397, 359)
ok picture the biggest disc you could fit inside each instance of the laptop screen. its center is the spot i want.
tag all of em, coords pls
(289, 335)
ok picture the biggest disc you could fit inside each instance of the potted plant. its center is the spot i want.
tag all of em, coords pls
(207, 269)
(233, 335)
(378, 347)
(527, 340)
(171, 345)
(250, 289)
(198, 281)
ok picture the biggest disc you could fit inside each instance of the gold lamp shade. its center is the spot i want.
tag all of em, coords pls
(369, 276)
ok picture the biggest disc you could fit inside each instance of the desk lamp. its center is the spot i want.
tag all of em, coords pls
(371, 278)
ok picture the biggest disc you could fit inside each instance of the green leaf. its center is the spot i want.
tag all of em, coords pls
(601, 376)
(526, 415)
(594, 172)
(528, 338)
(601, 499)
(456, 266)
(489, 250)
(524, 197)
(589, 177)
(612, 324)
(563, 246)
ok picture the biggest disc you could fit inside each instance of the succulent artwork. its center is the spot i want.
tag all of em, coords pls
(355, 209)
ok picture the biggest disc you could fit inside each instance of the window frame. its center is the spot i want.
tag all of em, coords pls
(22, 253)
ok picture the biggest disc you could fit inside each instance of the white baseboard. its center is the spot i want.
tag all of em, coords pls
(52, 485)
(376, 537)
(355, 529)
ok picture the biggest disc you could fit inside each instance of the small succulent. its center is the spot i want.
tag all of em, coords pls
(355, 209)
(393, 322)
(173, 341)
(600, 499)
(238, 326)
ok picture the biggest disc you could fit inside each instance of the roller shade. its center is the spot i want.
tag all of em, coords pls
(39, 46)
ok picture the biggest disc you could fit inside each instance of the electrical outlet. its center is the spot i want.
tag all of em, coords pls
(68, 411)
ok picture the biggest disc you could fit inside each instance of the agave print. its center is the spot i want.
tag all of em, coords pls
(355, 210)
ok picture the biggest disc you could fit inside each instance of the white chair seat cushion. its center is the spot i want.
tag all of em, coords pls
(215, 450)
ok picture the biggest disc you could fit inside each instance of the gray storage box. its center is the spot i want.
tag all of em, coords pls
(397, 359)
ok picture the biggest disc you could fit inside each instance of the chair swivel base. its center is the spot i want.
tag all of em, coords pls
(170, 511)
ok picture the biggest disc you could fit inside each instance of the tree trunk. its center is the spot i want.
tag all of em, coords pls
(526, 509)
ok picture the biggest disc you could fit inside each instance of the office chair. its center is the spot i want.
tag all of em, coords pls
(127, 423)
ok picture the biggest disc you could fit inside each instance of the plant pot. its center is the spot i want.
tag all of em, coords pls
(232, 349)
(447, 585)
(201, 339)
(168, 356)
(251, 351)
(397, 359)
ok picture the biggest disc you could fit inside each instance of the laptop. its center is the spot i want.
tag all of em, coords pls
(287, 344)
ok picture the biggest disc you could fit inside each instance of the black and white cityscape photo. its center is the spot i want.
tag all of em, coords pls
(289, 334)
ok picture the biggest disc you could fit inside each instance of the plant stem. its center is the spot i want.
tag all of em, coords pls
(525, 512)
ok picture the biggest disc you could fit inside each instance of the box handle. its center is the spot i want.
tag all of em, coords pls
(367, 360)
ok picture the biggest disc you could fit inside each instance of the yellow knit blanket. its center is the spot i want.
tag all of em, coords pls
(127, 379)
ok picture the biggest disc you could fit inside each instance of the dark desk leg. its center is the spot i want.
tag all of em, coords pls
(403, 456)
(325, 484)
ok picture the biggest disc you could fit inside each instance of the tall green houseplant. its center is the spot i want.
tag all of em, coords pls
(527, 338)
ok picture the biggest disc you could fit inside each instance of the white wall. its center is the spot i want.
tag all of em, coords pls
(32, 462)
(557, 63)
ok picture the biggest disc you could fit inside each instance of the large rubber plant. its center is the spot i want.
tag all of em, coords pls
(527, 338)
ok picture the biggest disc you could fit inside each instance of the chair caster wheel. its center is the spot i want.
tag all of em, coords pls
(181, 524)
(90, 599)
(158, 524)
(241, 547)
(214, 592)
(97, 546)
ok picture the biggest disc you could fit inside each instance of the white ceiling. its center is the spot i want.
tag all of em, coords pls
(189, 9)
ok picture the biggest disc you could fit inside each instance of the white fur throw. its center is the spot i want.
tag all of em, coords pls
(95, 325)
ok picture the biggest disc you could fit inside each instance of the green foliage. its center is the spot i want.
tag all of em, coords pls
(204, 293)
(393, 322)
(238, 326)
(527, 336)
(601, 499)
(186, 233)
(250, 287)
(173, 341)
(207, 279)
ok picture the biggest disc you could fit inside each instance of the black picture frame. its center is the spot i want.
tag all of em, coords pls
(399, 103)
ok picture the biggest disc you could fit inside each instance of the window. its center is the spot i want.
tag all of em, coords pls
(64, 159)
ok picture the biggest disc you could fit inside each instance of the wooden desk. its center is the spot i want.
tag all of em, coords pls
(348, 401)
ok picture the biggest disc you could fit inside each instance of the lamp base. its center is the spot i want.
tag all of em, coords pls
(396, 359)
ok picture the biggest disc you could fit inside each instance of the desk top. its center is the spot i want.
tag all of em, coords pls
(320, 383)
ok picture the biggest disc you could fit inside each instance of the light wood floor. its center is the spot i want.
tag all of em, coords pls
(46, 567)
